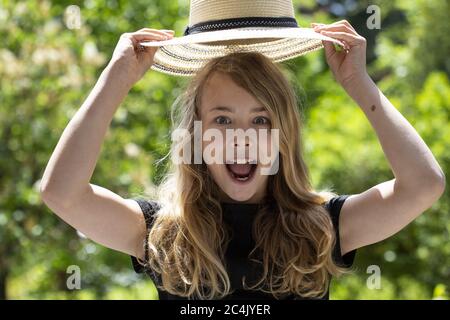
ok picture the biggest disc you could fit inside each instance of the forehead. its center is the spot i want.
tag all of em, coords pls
(221, 90)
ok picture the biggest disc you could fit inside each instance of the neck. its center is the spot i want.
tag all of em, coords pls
(255, 199)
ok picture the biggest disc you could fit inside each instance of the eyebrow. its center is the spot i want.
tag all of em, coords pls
(231, 109)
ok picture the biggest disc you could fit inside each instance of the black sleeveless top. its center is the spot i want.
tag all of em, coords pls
(239, 217)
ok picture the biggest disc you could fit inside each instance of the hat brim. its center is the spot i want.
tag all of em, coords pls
(184, 55)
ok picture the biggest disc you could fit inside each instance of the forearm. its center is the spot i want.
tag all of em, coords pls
(411, 161)
(73, 161)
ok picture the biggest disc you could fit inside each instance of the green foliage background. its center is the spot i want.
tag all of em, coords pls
(47, 70)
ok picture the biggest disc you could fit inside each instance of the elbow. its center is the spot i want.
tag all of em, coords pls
(426, 188)
(54, 202)
(434, 186)
(60, 198)
(52, 197)
(442, 184)
(47, 196)
(46, 191)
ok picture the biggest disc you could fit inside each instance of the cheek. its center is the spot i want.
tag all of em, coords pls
(213, 148)
(212, 142)
(217, 172)
(265, 148)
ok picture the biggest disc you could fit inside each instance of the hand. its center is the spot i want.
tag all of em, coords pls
(348, 65)
(132, 60)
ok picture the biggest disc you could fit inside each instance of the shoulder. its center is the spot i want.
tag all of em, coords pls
(334, 206)
(149, 209)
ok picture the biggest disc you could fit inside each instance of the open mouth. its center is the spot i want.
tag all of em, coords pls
(241, 172)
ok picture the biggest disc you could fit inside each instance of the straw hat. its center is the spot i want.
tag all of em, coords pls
(218, 27)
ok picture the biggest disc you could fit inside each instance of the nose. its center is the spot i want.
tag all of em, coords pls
(241, 145)
(243, 138)
(242, 141)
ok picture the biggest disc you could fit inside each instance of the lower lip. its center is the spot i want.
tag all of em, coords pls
(242, 182)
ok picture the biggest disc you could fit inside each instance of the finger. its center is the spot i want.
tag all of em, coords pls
(147, 35)
(345, 22)
(338, 27)
(351, 39)
(128, 37)
(329, 48)
(138, 37)
(162, 31)
(168, 31)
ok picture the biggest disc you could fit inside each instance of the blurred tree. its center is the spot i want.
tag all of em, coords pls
(47, 70)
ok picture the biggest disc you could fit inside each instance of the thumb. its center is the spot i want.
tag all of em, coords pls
(329, 48)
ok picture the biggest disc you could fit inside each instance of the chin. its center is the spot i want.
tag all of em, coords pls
(241, 197)
(238, 188)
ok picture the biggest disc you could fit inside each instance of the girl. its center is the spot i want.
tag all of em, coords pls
(226, 230)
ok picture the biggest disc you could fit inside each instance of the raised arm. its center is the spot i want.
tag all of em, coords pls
(97, 212)
(386, 208)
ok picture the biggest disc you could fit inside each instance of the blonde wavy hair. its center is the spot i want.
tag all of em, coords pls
(294, 238)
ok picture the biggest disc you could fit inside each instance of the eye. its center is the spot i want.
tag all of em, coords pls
(222, 120)
(261, 120)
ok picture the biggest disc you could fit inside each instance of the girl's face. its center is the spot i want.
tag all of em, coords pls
(224, 105)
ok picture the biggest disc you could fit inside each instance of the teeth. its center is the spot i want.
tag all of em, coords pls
(242, 161)
(246, 177)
